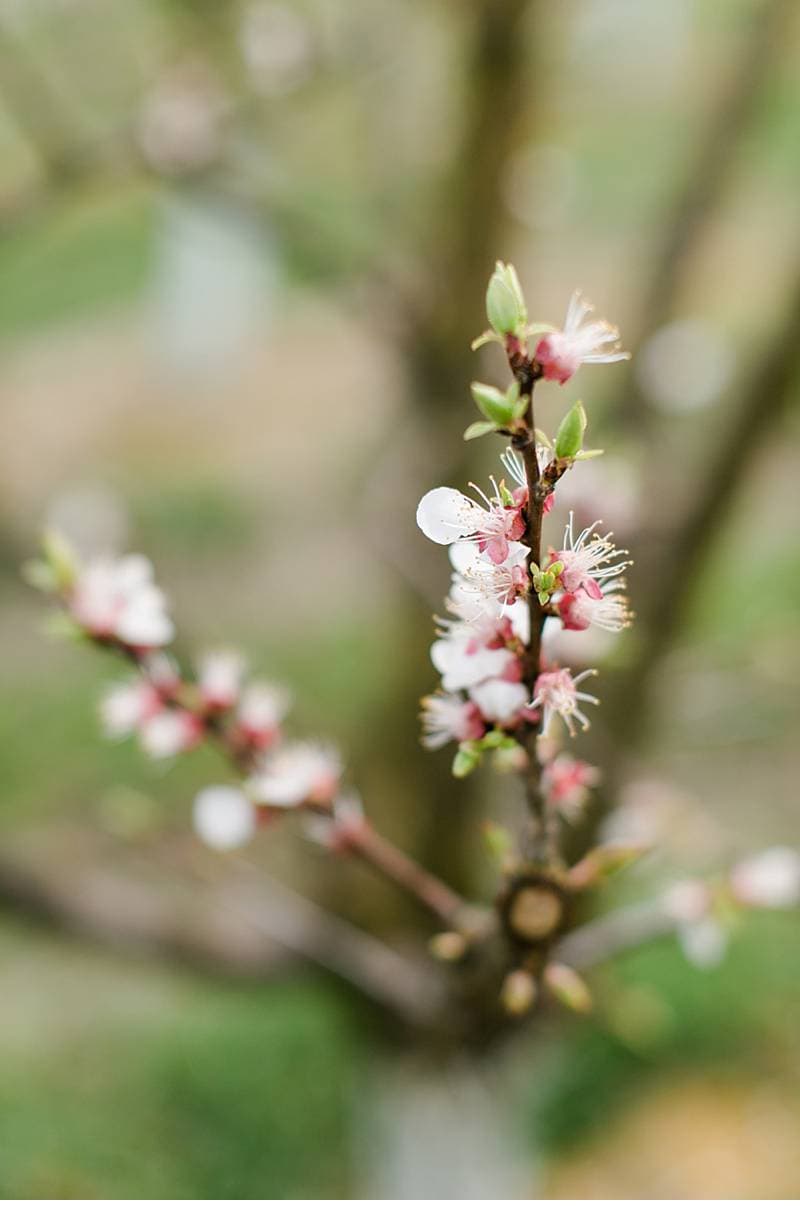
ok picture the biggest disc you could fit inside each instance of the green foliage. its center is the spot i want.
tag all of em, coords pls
(569, 438)
(732, 1016)
(231, 1095)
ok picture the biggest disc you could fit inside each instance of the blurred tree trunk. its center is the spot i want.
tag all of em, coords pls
(469, 231)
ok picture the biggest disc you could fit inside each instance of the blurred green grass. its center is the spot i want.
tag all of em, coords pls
(736, 1019)
(198, 1091)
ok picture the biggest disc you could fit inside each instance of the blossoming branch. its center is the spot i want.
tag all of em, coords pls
(502, 692)
(116, 605)
(504, 695)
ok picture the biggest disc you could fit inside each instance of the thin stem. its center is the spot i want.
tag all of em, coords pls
(407, 874)
(542, 841)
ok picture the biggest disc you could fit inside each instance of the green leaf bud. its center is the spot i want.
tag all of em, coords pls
(492, 403)
(569, 438)
(478, 429)
(505, 305)
(466, 759)
(60, 558)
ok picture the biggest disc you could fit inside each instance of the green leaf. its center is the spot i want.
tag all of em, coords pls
(492, 403)
(478, 429)
(505, 305)
(569, 438)
(485, 339)
(60, 557)
(520, 408)
(465, 761)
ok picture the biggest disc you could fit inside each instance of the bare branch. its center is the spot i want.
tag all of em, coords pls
(619, 931)
(246, 926)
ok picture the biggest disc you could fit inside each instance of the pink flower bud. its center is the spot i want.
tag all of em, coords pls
(561, 353)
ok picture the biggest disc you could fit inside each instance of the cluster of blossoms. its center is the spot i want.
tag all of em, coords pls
(490, 698)
(480, 651)
(149, 706)
(115, 602)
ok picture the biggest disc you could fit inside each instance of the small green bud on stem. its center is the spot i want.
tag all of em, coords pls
(569, 438)
(505, 303)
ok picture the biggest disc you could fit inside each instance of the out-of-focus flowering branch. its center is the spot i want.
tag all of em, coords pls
(115, 604)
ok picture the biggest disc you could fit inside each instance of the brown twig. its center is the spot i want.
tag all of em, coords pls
(392, 863)
(249, 927)
(542, 840)
(408, 875)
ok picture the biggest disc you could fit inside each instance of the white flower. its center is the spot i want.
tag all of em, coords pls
(585, 560)
(219, 678)
(770, 879)
(462, 664)
(118, 599)
(449, 718)
(500, 701)
(518, 615)
(126, 706)
(561, 353)
(581, 610)
(296, 773)
(556, 693)
(170, 732)
(491, 587)
(446, 515)
(477, 631)
(261, 709)
(224, 818)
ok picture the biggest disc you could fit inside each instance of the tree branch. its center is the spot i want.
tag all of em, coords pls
(245, 925)
(619, 931)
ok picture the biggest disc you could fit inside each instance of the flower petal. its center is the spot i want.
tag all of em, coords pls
(445, 515)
